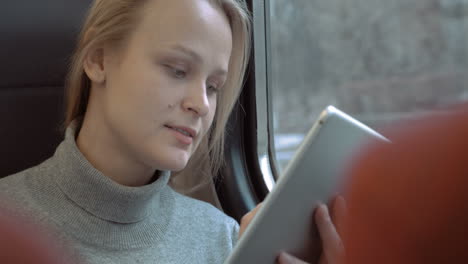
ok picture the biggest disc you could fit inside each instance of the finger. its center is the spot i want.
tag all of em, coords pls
(322, 260)
(247, 218)
(331, 241)
(339, 212)
(285, 258)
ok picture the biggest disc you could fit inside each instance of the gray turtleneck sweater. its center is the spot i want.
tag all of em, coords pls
(104, 222)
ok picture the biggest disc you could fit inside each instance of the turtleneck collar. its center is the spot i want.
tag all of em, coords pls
(99, 195)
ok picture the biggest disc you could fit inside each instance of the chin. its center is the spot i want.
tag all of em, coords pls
(178, 167)
(169, 159)
(172, 163)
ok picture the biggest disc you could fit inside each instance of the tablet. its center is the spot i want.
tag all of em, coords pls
(285, 221)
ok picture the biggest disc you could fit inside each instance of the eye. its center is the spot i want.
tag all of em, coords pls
(212, 89)
(179, 73)
(176, 72)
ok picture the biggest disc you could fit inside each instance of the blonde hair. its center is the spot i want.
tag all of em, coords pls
(112, 21)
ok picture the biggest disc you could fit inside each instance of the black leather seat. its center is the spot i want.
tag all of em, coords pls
(36, 42)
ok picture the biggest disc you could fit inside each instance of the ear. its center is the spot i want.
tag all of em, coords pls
(94, 65)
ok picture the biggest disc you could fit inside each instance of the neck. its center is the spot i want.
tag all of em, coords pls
(102, 149)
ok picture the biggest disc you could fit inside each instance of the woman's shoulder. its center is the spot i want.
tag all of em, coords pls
(18, 180)
(19, 189)
(15, 183)
(196, 209)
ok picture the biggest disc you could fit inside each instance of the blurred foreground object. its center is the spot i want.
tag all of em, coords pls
(21, 244)
(408, 201)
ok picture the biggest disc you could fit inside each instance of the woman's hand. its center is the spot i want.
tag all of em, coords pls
(245, 221)
(328, 227)
(285, 258)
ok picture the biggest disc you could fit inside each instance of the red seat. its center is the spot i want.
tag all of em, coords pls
(408, 201)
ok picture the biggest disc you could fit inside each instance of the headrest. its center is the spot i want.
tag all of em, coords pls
(37, 39)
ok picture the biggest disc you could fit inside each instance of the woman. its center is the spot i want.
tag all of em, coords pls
(150, 89)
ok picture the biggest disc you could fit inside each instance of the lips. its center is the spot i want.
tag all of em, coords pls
(187, 131)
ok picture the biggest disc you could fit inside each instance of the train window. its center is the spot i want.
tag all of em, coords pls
(377, 60)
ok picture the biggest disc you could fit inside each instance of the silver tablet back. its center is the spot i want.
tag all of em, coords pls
(314, 174)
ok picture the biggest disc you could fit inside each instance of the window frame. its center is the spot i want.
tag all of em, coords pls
(250, 172)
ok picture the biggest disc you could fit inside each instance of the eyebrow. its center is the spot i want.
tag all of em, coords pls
(195, 56)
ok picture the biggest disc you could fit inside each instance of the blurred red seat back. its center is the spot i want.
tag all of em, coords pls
(408, 201)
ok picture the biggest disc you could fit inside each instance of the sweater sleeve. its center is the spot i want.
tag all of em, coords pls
(235, 233)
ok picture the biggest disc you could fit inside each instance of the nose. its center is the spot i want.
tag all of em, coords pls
(196, 100)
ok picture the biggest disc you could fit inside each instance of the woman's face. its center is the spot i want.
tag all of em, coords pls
(159, 96)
